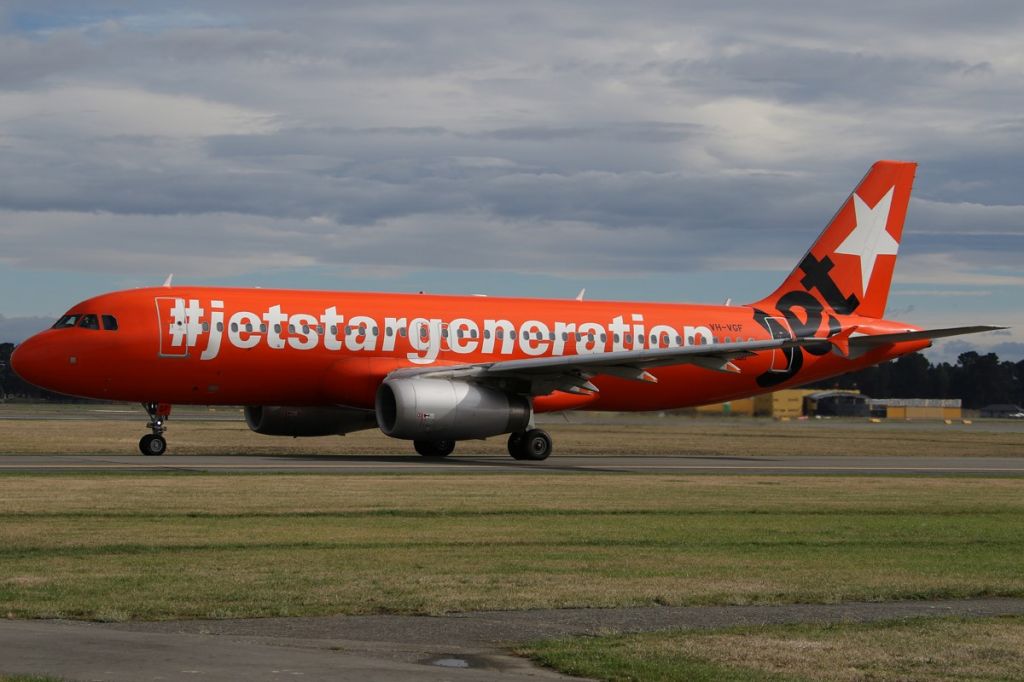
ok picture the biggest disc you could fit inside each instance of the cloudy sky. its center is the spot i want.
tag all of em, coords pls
(654, 150)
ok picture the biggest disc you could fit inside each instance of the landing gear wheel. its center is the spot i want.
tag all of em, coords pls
(152, 445)
(534, 444)
(515, 443)
(434, 448)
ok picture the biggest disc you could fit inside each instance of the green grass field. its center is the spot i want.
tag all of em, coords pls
(913, 651)
(148, 546)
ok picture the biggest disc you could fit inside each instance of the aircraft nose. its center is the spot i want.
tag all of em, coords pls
(31, 359)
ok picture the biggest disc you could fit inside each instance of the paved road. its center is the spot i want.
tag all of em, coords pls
(469, 646)
(987, 466)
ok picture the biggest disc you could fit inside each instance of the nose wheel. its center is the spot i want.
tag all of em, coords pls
(154, 444)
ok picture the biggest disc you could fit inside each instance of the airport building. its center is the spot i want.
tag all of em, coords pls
(837, 404)
(916, 408)
(788, 403)
(795, 403)
(1002, 412)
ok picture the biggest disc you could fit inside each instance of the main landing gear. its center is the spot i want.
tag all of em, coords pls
(534, 444)
(154, 444)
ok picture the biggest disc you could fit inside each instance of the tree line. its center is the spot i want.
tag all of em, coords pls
(978, 380)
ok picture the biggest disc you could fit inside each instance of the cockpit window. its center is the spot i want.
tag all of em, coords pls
(89, 322)
(110, 323)
(66, 321)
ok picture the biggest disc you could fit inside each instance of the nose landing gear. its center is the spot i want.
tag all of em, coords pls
(153, 444)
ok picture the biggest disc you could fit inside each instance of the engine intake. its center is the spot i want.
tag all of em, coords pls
(307, 421)
(438, 409)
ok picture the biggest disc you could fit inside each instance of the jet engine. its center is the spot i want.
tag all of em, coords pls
(439, 409)
(307, 421)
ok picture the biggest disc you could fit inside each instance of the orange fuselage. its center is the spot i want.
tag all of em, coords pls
(204, 345)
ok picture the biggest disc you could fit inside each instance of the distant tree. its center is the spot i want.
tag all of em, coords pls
(940, 380)
(910, 376)
(976, 379)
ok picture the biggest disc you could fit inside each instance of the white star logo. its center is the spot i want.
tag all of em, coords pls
(869, 238)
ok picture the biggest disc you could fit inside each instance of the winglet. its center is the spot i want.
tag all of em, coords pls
(579, 296)
(167, 282)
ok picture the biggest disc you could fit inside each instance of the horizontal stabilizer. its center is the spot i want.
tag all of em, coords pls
(885, 339)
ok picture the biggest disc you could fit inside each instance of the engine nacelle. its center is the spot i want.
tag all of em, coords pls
(307, 421)
(438, 409)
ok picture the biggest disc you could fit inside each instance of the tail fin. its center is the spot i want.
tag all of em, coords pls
(849, 269)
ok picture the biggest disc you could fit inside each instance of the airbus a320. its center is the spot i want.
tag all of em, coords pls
(436, 370)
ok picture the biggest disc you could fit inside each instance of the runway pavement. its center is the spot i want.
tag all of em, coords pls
(466, 646)
(680, 464)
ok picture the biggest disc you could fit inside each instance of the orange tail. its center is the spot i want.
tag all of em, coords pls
(849, 268)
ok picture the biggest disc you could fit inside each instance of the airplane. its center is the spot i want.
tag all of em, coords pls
(439, 369)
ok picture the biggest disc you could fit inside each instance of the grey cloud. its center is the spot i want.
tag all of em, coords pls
(805, 74)
(17, 329)
(558, 134)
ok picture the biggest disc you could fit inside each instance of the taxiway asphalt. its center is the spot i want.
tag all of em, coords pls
(466, 646)
(611, 463)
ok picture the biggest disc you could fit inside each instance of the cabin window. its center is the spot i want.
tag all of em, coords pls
(220, 326)
(89, 321)
(110, 323)
(487, 333)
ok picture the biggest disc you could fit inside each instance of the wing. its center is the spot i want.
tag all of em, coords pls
(572, 373)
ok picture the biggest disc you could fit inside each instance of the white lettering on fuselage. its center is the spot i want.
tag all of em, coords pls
(426, 338)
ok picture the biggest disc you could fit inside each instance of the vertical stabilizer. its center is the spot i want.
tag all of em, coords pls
(849, 268)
